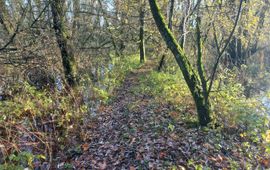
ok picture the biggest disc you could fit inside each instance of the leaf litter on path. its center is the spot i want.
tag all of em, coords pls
(135, 132)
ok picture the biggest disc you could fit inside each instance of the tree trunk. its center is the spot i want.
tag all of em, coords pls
(142, 46)
(4, 18)
(190, 75)
(162, 62)
(170, 16)
(68, 59)
(76, 15)
(117, 53)
(183, 25)
(203, 109)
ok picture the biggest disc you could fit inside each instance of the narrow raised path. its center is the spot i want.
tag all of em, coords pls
(135, 132)
(131, 132)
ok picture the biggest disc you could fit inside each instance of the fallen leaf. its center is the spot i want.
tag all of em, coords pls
(132, 168)
(265, 163)
(162, 155)
(85, 147)
(102, 166)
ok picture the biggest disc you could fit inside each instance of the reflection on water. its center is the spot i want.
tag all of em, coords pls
(58, 83)
(91, 102)
(1, 93)
(266, 102)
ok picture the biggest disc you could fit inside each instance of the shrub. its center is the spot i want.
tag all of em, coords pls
(45, 122)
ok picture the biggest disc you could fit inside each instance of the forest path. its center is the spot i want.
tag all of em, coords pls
(137, 131)
(132, 133)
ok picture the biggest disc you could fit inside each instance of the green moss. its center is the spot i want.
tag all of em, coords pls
(189, 73)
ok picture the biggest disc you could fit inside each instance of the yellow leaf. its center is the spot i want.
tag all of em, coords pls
(267, 136)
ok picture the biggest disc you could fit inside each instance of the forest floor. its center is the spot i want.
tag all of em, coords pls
(135, 132)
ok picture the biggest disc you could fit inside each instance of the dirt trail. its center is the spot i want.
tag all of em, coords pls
(131, 133)
(135, 131)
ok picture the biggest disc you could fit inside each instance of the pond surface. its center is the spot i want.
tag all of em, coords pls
(266, 103)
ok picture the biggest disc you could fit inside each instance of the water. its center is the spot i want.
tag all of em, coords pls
(93, 104)
(266, 102)
(1, 93)
(58, 83)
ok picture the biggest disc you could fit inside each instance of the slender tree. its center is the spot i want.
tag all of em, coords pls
(4, 18)
(170, 17)
(76, 16)
(195, 79)
(68, 58)
(142, 45)
(104, 13)
(190, 75)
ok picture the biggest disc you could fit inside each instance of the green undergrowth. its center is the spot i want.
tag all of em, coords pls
(112, 78)
(123, 66)
(35, 125)
(232, 113)
(232, 108)
(37, 121)
(164, 87)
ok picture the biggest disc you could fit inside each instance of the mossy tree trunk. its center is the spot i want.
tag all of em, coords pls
(68, 58)
(192, 79)
(170, 17)
(142, 44)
